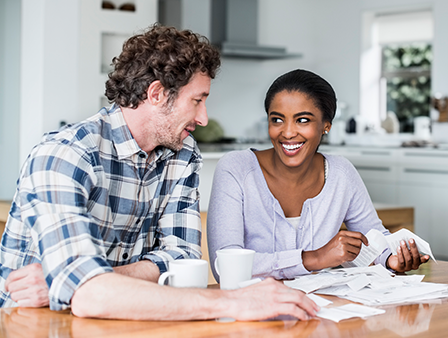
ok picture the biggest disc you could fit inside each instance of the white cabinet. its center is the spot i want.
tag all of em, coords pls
(423, 184)
(379, 171)
(377, 168)
(206, 178)
(102, 32)
(412, 177)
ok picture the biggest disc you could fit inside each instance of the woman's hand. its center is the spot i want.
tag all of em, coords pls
(406, 258)
(343, 247)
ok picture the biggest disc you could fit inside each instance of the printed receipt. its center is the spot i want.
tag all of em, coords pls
(378, 243)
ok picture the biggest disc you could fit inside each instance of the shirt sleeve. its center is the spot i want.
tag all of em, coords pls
(178, 232)
(53, 195)
(286, 264)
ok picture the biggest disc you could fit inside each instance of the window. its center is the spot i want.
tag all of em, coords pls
(396, 66)
(406, 81)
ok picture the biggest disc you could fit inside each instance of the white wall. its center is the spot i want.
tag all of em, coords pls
(49, 64)
(9, 95)
(329, 34)
(326, 32)
(95, 53)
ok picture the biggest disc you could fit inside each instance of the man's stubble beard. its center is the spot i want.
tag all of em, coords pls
(165, 135)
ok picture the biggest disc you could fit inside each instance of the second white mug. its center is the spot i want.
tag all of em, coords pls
(233, 267)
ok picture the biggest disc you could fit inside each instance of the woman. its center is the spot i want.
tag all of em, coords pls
(288, 203)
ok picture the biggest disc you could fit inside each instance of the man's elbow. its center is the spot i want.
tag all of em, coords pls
(85, 307)
(88, 303)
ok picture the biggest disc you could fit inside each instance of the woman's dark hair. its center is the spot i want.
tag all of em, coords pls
(161, 53)
(308, 83)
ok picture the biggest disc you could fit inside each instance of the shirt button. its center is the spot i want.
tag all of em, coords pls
(125, 255)
(138, 221)
(142, 155)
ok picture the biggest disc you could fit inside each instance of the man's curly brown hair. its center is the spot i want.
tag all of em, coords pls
(160, 53)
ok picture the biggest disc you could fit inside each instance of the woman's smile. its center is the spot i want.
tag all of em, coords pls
(292, 148)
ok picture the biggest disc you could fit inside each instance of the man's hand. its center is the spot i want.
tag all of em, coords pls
(406, 258)
(27, 286)
(269, 299)
(343, 247)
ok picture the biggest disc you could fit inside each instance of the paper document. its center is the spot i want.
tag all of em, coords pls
(337, 314)
(378, 243)
(321, 301)
(377, 270)
(394, 239)
(310, 283)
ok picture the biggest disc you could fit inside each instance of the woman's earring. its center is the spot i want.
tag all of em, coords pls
(326, 132)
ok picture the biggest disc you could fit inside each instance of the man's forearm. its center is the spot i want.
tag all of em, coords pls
(144, 269)
(116, 296)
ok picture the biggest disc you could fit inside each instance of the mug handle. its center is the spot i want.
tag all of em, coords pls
(216, 266)
(164, 276)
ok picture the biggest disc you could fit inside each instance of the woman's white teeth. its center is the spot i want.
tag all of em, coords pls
(292, 146)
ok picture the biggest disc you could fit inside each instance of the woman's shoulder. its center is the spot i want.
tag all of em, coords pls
(238, 158)
(337, 159)
(238, 162)
(340, 164)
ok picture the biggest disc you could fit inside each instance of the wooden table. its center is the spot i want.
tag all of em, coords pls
(422, 320)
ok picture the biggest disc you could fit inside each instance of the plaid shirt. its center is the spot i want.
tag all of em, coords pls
(89, 198)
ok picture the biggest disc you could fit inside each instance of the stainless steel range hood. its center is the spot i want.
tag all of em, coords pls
(232, 25)
(246, 50)
(234, 28)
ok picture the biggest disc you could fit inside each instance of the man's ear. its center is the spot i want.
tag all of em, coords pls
(156, 93)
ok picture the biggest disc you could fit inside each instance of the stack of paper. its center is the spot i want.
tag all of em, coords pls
(370, 286)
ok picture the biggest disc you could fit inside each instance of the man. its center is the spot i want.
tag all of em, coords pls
(103, 205)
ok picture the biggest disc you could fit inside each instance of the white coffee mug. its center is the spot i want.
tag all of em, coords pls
(233, 267)
(186, 273)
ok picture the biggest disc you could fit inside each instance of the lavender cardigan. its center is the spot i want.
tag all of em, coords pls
(243, 213)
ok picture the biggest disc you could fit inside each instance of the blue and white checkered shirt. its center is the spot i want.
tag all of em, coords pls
(89, 198)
